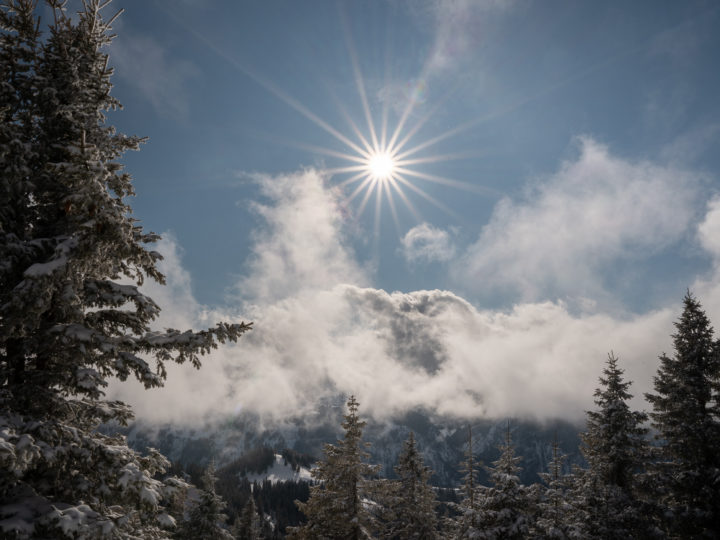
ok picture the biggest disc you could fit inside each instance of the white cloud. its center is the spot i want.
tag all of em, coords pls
(317, 333)
(707, 288)
(302, 245)
(709, 229)
(597, 210)
(428, 243)
(460, 26)
(398, 95)
(145, 64)
(458, 29)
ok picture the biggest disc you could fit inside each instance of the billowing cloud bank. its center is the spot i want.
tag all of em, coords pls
(320, 329)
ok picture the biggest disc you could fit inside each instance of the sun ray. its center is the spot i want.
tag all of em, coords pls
(378, 207)
(368, 194)
(435, 159)
(427, 197)
(483, 190)
(365, 183)
(409, 109)
(299, 107)
(352, 124)
(406, 114)
(408, 203)
(423, 119)
(352, 179)
(391, 203)
(359, 83)
(385, 107)
(277, 92)
(324, 151)
(349, 169)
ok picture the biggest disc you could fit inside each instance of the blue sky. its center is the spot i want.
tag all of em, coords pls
(578, 186)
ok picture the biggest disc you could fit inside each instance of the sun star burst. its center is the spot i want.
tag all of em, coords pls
(381, 165)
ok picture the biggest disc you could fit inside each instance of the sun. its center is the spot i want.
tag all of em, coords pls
(381, 165)
(383, 162)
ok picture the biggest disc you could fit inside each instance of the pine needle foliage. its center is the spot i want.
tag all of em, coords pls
(606, 495)
(506, 508)
(206, 520)
(72, 315)
(409, 502)
(465, 525)
(686, 476)
(247, 526)
(554, 507)
(338, 506)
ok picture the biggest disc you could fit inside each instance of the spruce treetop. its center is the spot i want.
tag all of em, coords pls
(685, 414)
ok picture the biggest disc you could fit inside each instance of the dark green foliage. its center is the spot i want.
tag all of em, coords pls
(686, 475)
(297, 459)
(206, 520)
(606, 501)
(255, 461)
(554, 509)
(464, 522)
(72, 315)
(507, 508)
(408, 503)
(247, 526)
(336, 508)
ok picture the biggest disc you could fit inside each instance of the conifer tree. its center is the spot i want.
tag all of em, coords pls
(614, 446)
(686, 475)
(506, 508)
(336, 508)
(248, 523)
(410, 500)
(206, 518)
(72, 315)
(465, 525)
(554, 507)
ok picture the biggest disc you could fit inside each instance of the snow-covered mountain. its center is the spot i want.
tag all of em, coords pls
(442, 441)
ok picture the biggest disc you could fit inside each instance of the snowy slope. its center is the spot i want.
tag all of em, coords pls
(280, 472)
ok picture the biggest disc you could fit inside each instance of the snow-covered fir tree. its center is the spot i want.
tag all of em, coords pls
(206, 520)
(337, 507)
(72, 259)
(553, 506)
(465, 525)
(686, 474)
(606, 494)
(247, 526)
(507, 508)
(409, 502)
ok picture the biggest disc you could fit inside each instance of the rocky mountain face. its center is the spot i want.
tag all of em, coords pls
(442, 441)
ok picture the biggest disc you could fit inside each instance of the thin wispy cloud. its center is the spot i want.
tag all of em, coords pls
(146, 65)
(460, 26)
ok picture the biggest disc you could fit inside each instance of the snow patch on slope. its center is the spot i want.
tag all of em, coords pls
(281, 472)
